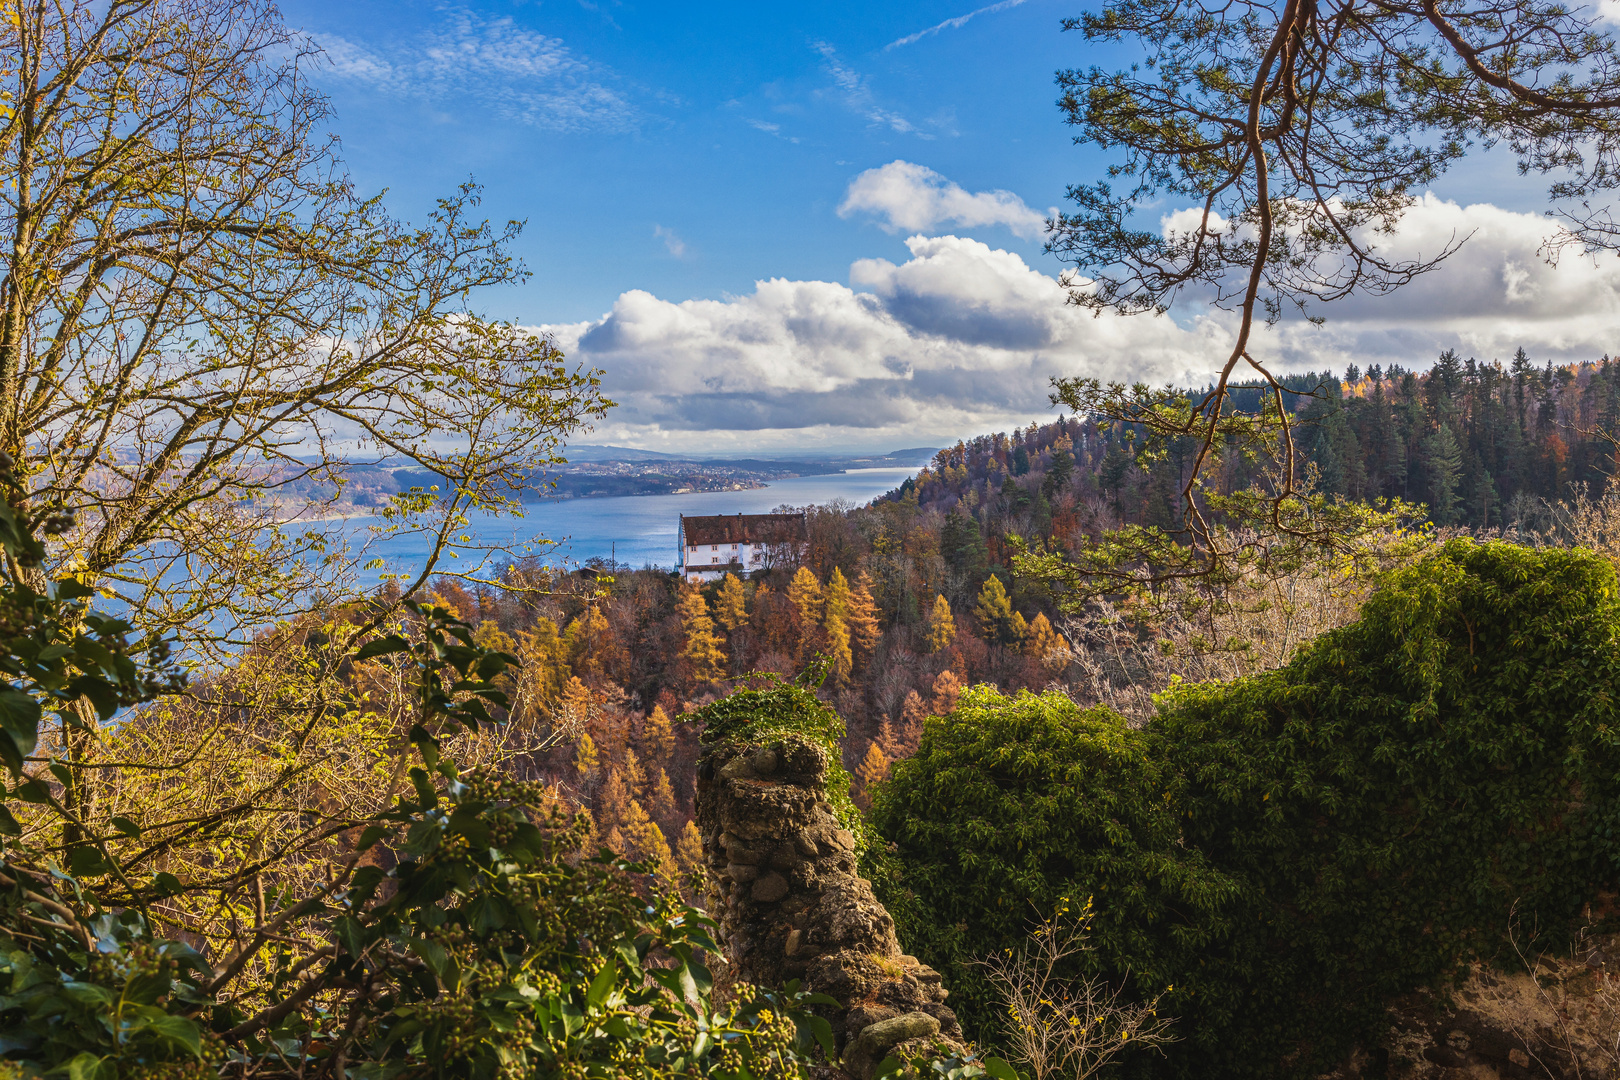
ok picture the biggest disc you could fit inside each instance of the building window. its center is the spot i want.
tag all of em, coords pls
(714, 547)
(714, 559)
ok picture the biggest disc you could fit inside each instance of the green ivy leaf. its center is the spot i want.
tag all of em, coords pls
(999, 1069)
(86, 861)
(382, 646)
(176, 1029)
(602, 985)
(349, 934)
(84, 1066)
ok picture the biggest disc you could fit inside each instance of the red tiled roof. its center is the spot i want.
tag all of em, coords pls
(743, 529)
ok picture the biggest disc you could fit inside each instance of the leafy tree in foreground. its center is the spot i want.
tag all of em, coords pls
(1294, 133)
(202, 324)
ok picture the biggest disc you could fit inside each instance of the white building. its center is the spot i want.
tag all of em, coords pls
(712, 547)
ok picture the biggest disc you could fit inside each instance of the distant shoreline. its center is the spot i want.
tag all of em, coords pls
(533, 498)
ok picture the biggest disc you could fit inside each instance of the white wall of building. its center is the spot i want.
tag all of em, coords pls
(708, 562)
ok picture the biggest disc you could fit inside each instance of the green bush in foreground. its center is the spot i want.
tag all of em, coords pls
(1011, 805)
(1289, 850)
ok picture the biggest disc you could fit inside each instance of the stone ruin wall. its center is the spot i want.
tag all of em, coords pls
(789, 903)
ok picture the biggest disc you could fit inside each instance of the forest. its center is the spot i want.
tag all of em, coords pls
(913, 600)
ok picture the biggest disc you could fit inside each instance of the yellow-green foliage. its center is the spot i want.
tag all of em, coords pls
(485, 942)
(1291, 849)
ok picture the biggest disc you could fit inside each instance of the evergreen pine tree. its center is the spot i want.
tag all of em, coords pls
(1116, 466)
(1060, 473)
(1163, 507)
(1484, 505)
(1443, 464)
(961, 543)
(1522, 370)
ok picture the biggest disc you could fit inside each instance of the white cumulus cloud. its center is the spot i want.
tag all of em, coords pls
(959, 337)
(1494, 295)
(914, 198)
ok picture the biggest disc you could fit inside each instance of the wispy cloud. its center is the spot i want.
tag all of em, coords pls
(952, 24)
(860, 97)
(518, 74)
(676, 246)
(770, 129)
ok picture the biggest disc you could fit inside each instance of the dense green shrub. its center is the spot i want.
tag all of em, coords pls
(1291, 849)
(1011, 805)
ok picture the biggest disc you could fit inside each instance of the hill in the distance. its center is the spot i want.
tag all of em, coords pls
(596, 471)
(595, 454)
(588, 452)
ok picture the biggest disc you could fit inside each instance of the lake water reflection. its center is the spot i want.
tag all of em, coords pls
(638, 530)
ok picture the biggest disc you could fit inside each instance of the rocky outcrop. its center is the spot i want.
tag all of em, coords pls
(784, 890)
(1559, 1022)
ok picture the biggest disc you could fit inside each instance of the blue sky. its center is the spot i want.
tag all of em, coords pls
(883, 168)
(734, 127)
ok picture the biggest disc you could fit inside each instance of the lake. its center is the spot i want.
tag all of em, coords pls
(638, 530)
